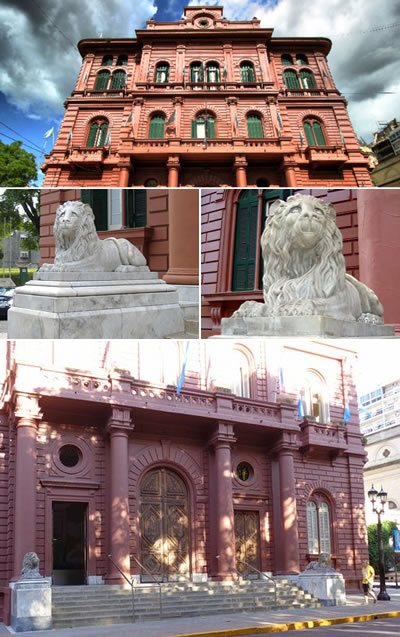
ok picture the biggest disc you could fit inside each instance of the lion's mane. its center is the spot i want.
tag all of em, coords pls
(85, 240)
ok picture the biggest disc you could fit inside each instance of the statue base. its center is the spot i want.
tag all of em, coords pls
(95, 305)
(282, 326)
(329, 588)
(31, 604)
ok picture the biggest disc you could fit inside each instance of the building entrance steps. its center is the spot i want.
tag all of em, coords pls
(104, 604)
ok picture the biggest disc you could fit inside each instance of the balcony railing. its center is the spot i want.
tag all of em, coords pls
(326, 155)
(87, 155)
(322, 437)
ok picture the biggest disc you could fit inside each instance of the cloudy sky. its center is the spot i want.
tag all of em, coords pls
(39, 61)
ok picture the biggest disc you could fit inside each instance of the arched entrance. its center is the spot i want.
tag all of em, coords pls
(164, 525)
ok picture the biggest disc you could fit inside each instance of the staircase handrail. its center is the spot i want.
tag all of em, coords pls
(262, 575)
(154, 580)
(240, 577)
(130, 582)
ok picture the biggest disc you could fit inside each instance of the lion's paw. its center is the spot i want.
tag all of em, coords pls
(250, 308)
(125, 268)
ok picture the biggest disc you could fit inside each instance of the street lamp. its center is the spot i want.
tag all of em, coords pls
(382, 496)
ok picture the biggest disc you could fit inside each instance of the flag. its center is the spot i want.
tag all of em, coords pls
(182, 376)
(85, 77)
(300, 408)
(183, 77)
(324, 73)
(281, 383)
(108, 139)
(279, 118)
(301, 138)
(49, 133)
(341, 135)
(346, 413)
(171, 118)
(262, 77)
(202, 71)
(236, 122)
(129, 118)
(278, 132)
(225, 73)
(69, 138)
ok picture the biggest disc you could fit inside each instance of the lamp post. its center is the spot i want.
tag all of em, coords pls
(382, 496)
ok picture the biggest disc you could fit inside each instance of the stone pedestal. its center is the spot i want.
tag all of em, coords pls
(31, 604)
(303, 326)
(95, 305)
(327, 587)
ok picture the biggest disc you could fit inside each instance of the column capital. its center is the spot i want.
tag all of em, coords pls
(173, 162)
(138, 101)
(288, 443)
(27, 407)
(240, 162)
(232, 100)
(223, 435)
(119, 420)
(177, 100)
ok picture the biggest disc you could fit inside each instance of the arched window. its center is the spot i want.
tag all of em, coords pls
(286, 59)
(314, 133)
(118, 80)
(97, 134)
(107, 60)
(212, 72)
(196, 72)
(307, 79)
(102, 80)
(291, 80)
(318, 526)
(162, 73)
(157, 125)
(301, 59)
(203, 127)
(122, 60)
(167, 368)
(247, 72)
(315, 397)
(240, 374)
(254, 126)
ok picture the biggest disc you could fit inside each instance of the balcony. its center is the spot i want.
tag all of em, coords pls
(318, 439)
(326, 155)
(87, 156)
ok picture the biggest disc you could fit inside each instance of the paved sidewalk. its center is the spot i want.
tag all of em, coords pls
(225, 623)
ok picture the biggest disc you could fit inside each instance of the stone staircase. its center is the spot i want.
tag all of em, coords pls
(99, 605)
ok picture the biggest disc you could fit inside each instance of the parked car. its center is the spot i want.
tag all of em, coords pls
(6, 301)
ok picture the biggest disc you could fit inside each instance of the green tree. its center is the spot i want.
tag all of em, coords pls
(387, 533)
(17, 167)
(19, 210)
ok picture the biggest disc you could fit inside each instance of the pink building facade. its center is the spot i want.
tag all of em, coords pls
(101, 456)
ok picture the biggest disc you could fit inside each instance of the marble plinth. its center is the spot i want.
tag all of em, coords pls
(95, 305)
(31, 605)
(301, 326)
(329, 587)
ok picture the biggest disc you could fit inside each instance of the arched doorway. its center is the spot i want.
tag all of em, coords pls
(164, 525)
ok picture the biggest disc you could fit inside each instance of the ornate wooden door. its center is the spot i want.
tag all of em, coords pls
(164, 525)
(247, 541)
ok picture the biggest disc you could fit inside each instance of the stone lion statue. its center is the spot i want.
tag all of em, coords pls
(304, 268)
(30, 566)
(78, 248)
(324, 563)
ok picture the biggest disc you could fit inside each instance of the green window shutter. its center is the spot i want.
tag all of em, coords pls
(307, 79)
(212, 74)
(246, 242)
(319, 135)
(103, 135)
(136, 208)
(102, 80)
(92, 135)
(309, 134)
(254, 127)
(118, 80)
(247, 73)
(122, 60)
(291, 80)
(162, 72)
(98, 201)
(210, 128)
(286, 60)
(156, 130)
(194, 129)
(107, 60)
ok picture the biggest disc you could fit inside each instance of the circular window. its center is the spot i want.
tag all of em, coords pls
(70, 455)
(151, 183)
(244, 471)
(204, 22)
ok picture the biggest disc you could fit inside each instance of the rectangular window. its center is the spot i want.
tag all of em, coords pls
(136, 208)
(106, 206)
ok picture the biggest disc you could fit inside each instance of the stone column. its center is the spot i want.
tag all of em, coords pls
(27, 417)
(290, 173)
(124, 172)
(173, 166)
(240, 168)
(183, 215)
(118, 428)
(224, 517)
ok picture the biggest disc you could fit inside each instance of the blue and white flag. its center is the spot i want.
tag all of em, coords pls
(279, 118)
(49, 133)
(129, 118)
(346, 413)
(171, 118)
(69, 138)
(302, 138)
(182, 376)
(300, 407)
(281, 383)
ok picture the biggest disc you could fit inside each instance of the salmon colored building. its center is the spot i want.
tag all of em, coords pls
(101, 456)
(206, 101)
(163, 224)
(369, 220)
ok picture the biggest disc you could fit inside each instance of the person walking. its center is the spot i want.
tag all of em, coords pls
(368, 574)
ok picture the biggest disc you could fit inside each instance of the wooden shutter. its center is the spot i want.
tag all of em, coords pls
(246, 242)
(98, 201)
(156, 130)
(319, 135)
(140, 208)
(307, 79)
(92, 135)
(247, 73)
(312, 528)
(286, 60)
(103, 135)
(194, 129)
(118, 80)
(210, 127)
(324, 528)
(254, 127)
(291, 80)
(107, 60)
(102, 80)
(309, 134)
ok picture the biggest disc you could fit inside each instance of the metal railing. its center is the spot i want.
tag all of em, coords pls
(262, 574)
(130, 582)
(240, 577)
(146, 570)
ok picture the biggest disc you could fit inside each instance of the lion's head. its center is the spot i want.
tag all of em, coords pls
(302, 251)
(74, 230)
(30, 565)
